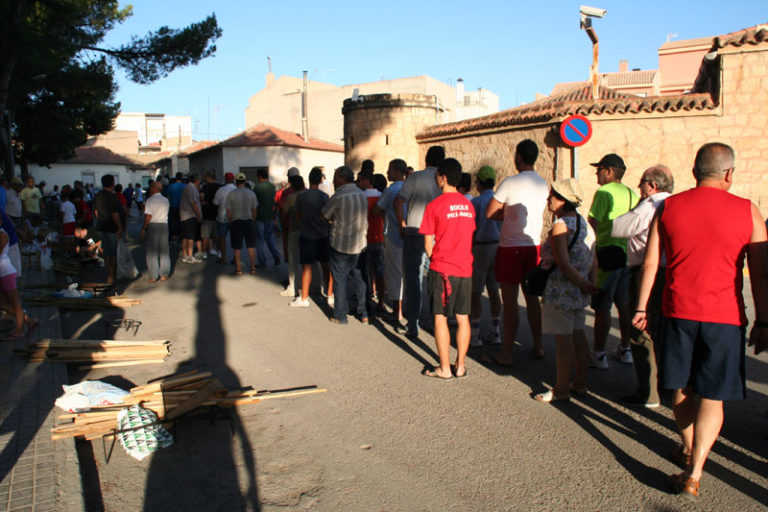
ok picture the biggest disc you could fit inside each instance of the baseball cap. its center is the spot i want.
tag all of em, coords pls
(569, 189)
(229, 176)
(293, 172)
(486, 172)
(611, 160)
(241, 177)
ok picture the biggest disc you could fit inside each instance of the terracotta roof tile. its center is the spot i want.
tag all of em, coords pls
(628, 78)
(752, 35)
(98, 155)
(197, 146)
(264, 135)
(705, 42)
(578, 101)
(565, 87)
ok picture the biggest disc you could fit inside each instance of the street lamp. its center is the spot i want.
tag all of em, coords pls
(587, 13)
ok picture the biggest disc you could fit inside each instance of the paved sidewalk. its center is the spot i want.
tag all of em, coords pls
(36, 473)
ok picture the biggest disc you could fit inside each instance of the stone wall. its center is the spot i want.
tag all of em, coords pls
(382, 127)
(645, 139)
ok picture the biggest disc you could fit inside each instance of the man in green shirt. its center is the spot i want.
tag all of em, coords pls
(265, 193)
(32, 199)
(611, 200)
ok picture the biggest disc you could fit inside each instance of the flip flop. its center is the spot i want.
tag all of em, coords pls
(238, 272)
(549, 397)
(432, 374)
(492, 359)
(463, 375)
(253, 271)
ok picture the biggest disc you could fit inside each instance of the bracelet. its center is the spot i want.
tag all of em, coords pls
(639, 311)
(761, 324)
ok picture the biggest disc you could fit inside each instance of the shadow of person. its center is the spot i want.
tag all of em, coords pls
(201, 470)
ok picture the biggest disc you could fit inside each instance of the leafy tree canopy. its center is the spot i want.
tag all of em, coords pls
(57, 80)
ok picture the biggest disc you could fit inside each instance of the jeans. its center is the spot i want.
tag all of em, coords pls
(158, 256)
(264, 237)
(415, 266)
(342, 266)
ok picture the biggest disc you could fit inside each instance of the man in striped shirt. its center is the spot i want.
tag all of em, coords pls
(347, 211)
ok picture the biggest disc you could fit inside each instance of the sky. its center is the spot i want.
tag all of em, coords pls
(510, 47)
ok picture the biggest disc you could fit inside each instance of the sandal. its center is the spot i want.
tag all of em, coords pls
(238, 272)
(253, 271)
(550, 397)
(685, 486)
(679, 457)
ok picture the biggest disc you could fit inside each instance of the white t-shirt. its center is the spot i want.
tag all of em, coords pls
(220, 200)
(68, 209)
(524, 196)
(157, 206)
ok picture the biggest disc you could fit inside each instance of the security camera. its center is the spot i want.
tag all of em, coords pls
(594, 12)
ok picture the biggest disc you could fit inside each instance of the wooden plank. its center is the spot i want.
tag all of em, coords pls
(120, 363)
(195, 400)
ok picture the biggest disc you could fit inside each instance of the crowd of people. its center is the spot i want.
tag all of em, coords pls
(419, 249)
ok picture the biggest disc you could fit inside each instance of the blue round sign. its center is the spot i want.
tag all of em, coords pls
(576, 130)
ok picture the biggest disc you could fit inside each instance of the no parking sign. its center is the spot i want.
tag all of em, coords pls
(575, 130)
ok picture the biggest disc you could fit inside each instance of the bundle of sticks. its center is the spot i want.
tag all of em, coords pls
(115, 301)
(98, 353)
(169, 397)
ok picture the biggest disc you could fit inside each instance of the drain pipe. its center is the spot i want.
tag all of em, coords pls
(304, 124)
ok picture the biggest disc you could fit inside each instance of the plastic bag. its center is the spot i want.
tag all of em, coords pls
(72, 291)
(141, 433)
(84, 395)
(126, 269)
(46, 262)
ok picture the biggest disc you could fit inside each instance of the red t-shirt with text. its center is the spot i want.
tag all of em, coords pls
(451, 219)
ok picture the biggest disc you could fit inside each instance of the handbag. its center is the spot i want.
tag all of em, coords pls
(535, 280)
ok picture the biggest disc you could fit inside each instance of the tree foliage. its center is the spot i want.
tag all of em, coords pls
(57, 80)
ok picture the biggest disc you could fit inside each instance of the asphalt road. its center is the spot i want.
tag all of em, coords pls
(383, 437)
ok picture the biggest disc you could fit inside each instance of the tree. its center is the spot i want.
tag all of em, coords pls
(57, 82)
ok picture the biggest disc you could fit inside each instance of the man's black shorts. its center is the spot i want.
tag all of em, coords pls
(242, 229)
(314, 250)
(458, 301)
(707, 357)
(189, 229)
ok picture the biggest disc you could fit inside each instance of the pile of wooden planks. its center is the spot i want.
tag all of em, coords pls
(116, 301)
(98, 353)
(169, 398)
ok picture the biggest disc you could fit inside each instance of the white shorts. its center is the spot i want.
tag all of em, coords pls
(558, 321)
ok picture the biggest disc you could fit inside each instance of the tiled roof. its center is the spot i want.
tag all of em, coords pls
(628, 78)
(564, 87)
(577, 101)
(264, 135)
(752, 35)
(97, 155)
(686, 43)
(197, 146)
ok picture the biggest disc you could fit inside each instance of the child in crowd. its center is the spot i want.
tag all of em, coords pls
(9, 295)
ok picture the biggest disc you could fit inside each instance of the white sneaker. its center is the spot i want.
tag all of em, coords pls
(298, 302)
(288, 292)
(600, 362)
(624, 355)
(200, 256)
(331, 301)
(212, 252)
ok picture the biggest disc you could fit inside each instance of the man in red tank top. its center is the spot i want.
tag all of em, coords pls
(705, 234)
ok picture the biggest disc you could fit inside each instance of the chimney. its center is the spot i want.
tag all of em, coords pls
(304, 125)
(460, 92)
(623, 66)
(270, 74)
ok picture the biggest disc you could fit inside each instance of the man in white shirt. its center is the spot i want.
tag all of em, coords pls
(655, 186)
(519, 202)
(155, 232)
